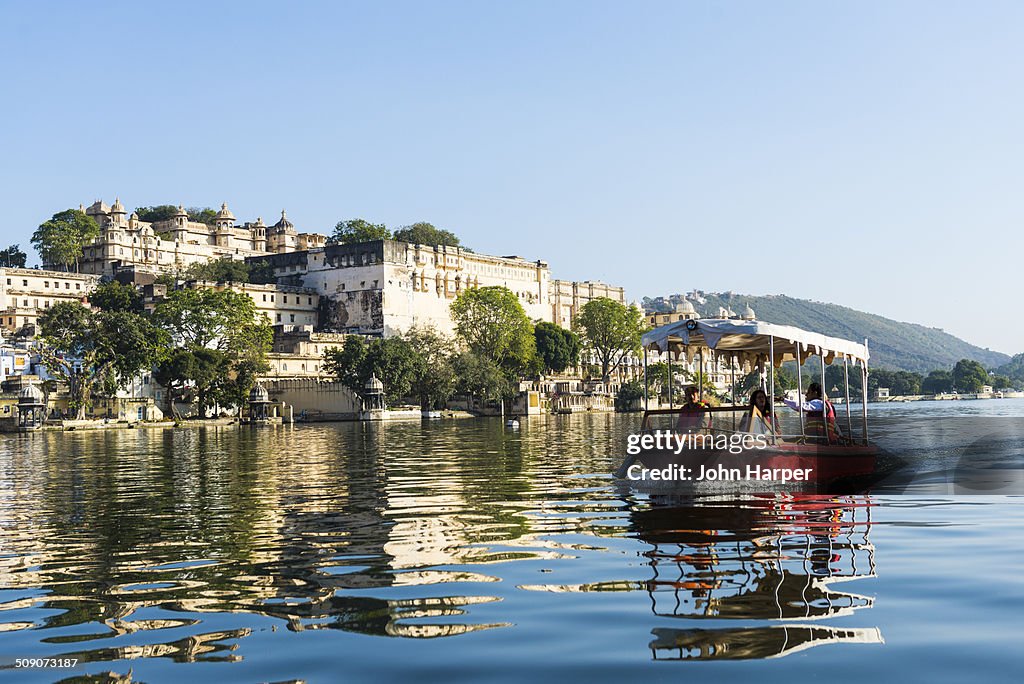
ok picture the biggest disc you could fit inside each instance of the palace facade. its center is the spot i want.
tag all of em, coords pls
(170, 246)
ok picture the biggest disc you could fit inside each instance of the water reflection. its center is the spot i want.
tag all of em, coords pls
(771, 558)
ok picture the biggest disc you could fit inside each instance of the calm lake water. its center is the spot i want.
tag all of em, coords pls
(465, 551)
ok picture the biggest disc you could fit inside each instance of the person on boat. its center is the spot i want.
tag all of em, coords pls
(819, 413)
(758, 418)
(693, 415)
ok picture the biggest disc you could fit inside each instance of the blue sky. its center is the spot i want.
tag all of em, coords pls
(867, 154)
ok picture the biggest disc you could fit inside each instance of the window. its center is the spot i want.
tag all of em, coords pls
(292, 316)
(24, 283)
(265, 299)
(310, 302)
(67, 286)
(46, 283)
(78, 286)
(278, 318)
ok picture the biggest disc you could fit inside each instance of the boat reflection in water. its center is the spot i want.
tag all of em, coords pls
(771, 558)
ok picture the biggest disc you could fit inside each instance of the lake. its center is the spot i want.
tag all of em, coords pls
(467, 551)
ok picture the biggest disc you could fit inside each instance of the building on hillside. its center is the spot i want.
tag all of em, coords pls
(26, 292)
(171, 245)
(568, 298)
(282, 305)
(384, 287)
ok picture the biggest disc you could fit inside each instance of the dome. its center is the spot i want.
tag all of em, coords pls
(118, 208)
(30, 394)
(224, 214)
(258, 394)
(685, 307)
(284, 224)
(181, 212)
(374, 385)
(259, 222)
(748, 314)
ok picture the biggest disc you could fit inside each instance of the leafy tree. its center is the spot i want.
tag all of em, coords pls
(493, 325)
(202, 215)
(224, 339)
(225, 270)
(557, 347)
(97, 352)
(1001, 382)
(1014, 370)
(433, 381)
(116, 296)
(423, 233)
(162, 212)
(13, 257)
(392, 360)
(60, 240)
(628, 395)
(969, 376)
(261, 272)
(351, 231)
(611, 331)
(937, 382)
(479, 376)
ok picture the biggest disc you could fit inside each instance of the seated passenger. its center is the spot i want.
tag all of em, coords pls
(819, 413)
(758, 418)
(693, 416)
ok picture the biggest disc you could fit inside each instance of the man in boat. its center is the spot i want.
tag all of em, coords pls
(693, 415)
(758, 420)
(819, 413)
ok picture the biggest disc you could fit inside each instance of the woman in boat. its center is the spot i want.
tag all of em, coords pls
(693, 415)
(758, 418)
(819, 413)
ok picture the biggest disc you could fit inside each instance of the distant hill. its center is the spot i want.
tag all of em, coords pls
(895, 345)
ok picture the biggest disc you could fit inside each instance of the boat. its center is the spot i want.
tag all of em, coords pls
(733, 445)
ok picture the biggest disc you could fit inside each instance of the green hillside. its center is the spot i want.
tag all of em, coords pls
(895, 345)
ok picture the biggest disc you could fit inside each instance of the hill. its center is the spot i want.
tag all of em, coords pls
(893, 344)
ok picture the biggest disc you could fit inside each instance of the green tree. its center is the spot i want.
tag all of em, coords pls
(351, 231)
(224, 270)
(202, 321)
(969, 376)
(937, 382)
(629, 395)
(610, 331)
(423, 233)
(162, 212)
(1001, 382)
(261, 272)
(480, 377)
(13, 257)
(202, 215)
(60, 240)
(97, 352)
(393, 361)
(433, 380)
(492, 324)
(557, 347)
(116, 296)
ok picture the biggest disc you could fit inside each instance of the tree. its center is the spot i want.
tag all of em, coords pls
(479, 376)
(202, 215)
(116, 296)
(351, 231)
(162, 212)
(433, 380)
(60, 240)
(969, 376)
(97, 352)
(223, 340)
(493, 325)
(628, 396)
(224, 270)
(557, 347)
(261, 272)
(611, 331)
(13, 257)
(423, 233)
(393, 361)
(937, 382)
(1000, 382)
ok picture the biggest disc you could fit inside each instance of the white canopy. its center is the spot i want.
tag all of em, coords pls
(750, 340)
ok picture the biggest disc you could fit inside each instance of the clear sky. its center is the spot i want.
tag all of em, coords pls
(867, 154)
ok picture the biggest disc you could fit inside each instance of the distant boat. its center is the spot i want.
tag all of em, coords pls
(512, 423)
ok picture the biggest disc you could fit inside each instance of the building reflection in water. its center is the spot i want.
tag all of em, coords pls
(761, 558)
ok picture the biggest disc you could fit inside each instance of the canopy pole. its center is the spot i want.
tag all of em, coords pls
(864, 392)
(824, 397)
(671, 379)
(646, 401)
(849, 415)
(700, 372)
(732, 369)
(771, 383)
(800, 384)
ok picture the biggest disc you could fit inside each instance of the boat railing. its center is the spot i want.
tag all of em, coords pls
(734, 419)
